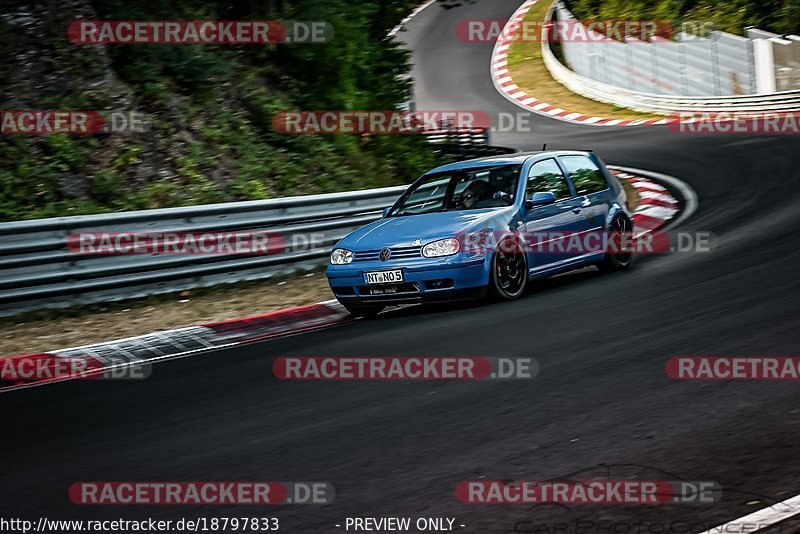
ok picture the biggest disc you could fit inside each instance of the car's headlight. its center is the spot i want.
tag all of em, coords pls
(443, 247)
(340, 256)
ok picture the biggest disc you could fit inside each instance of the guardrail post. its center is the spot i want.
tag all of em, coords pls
(764, 66)
(715, 72)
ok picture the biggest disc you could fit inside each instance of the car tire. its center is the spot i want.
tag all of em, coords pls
(367, 311)
(617, 261)
(509, 277)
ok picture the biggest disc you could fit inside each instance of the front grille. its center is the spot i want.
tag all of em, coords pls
(398, 253)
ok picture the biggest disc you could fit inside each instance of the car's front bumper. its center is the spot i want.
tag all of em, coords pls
(423, 281)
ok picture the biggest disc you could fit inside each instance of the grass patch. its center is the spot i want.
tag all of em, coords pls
(59, 329)
(527, 68)
(634, 199)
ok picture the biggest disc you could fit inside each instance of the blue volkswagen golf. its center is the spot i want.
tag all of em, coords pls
(463, 231)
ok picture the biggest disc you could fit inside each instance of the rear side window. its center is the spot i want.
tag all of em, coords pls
(546, 176)
(586, 175)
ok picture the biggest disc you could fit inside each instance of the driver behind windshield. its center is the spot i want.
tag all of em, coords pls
(476, 192)
(504, 181)
(462, 189)
(498, 191)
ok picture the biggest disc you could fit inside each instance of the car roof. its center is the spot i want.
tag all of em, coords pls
(516, 158)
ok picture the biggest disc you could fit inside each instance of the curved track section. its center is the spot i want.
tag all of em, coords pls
(504, 82)
(600, 406)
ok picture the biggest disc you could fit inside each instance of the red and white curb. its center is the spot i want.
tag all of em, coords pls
(100, 359)
(657, 207)
(505, 84)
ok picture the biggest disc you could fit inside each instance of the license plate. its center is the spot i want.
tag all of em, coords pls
(384, 277)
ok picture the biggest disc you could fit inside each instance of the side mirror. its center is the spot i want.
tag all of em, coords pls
(540, 199)
(386, 212)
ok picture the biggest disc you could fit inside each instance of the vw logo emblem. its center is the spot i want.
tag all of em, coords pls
(384, 254)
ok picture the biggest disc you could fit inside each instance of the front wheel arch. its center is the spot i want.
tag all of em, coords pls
(511, 287)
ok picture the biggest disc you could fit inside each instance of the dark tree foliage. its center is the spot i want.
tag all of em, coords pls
(779, 16)
(211, 106)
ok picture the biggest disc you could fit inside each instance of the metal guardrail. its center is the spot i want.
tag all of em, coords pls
(38, 270)
(787, 101)
(466, 143)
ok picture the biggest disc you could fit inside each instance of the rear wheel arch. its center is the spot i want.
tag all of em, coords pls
(617, 261)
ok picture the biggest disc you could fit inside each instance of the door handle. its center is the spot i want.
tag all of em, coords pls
(576, 209)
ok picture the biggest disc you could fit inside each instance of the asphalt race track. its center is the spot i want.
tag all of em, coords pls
(601, 404)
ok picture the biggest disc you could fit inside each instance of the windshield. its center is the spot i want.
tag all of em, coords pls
(464, 189)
